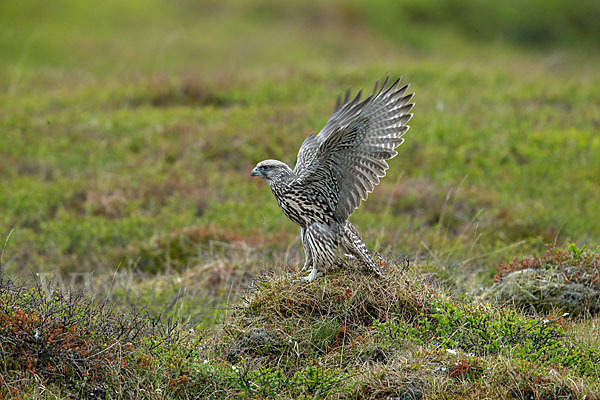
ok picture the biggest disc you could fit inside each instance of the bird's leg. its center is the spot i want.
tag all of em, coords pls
(314, 274)
(320, 246)
(308, 262)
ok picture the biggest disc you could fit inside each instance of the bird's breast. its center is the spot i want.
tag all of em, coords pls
(303, 207)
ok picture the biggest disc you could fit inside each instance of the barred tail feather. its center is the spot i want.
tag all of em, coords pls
(354, 245)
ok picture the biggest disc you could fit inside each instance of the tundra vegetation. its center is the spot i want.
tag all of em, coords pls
(139, 260)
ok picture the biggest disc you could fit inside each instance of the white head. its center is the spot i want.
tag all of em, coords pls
(272, 171)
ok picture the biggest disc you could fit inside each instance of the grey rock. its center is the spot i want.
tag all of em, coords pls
(545, 290)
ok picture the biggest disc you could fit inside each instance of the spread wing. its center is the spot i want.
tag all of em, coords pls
(346, 159)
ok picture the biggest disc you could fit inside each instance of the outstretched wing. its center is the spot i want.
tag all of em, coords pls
(348, 156)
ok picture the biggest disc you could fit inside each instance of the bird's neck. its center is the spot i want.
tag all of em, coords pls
(282, 181)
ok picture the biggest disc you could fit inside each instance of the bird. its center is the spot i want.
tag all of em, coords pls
(336, 170)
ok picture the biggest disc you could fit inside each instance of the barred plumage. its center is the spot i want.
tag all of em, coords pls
(336, 170)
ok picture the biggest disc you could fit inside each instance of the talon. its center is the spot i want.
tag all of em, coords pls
(314, 274)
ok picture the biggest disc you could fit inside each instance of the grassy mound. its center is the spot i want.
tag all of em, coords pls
(354, 336)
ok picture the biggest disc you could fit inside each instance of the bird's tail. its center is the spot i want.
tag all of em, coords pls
(353, 244)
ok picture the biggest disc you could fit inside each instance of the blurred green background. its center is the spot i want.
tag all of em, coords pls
(128, 130)
(71, 41)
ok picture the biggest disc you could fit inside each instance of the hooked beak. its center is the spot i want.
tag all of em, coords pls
(255, 172)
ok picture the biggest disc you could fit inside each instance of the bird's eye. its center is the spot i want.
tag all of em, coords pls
(265, 167)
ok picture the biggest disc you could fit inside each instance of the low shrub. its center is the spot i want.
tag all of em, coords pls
(86, 349)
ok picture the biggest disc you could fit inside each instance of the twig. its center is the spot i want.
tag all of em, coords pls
(4, 247)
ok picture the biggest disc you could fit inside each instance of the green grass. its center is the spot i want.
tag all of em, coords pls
(128, 130)
(516, 157)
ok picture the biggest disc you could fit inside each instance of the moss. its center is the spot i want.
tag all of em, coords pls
(323, 333)
(256, 342)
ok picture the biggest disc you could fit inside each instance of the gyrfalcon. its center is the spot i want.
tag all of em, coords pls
(337, 169)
